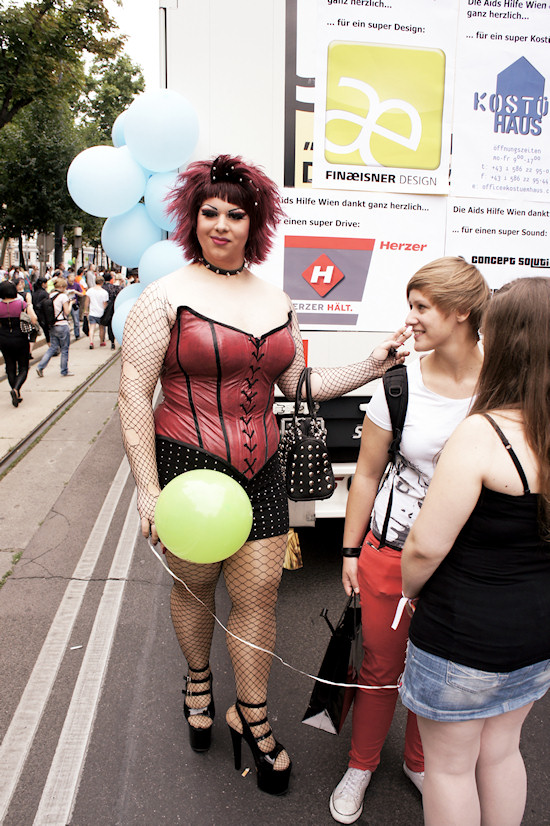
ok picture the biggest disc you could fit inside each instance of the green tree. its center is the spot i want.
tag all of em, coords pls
(35, 152)
(42, 44)
(110, 87)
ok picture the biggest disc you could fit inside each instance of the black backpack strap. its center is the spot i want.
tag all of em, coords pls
(396, 389)
(61, 314)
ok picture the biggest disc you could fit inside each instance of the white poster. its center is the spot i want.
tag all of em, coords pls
(504, 240)
(346, 258)
(501, 129)
(383, 95)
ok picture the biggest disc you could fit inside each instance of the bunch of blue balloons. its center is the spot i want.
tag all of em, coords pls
(127, 184)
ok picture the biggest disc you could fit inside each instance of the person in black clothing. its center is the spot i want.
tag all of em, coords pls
(107, 317)
(478, 559)
(38, 295)
(14, 344)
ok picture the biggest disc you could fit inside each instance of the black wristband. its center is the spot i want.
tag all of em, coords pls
(353, 552)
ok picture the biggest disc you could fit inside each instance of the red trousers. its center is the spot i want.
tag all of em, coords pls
(379, 576)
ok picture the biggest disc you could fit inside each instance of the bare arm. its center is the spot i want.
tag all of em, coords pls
(146, 339)
(373, 458)
(331, 382)
(451, 498)
(30, 310)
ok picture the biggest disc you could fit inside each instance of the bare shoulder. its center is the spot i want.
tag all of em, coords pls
(173, 280)
(258, 283)
(473, 438)
(473, 426)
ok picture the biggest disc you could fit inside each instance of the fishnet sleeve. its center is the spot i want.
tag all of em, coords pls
(334, 381)
(146, 339)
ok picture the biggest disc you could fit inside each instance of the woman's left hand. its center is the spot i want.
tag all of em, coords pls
(388, 350)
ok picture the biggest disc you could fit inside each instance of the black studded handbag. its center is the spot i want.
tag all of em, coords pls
(303, 451)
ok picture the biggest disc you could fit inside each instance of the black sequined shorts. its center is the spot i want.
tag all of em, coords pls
(266, 489)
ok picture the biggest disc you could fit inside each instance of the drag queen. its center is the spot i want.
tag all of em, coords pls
(219, 338)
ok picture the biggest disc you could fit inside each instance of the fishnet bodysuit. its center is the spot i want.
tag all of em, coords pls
(252, 575)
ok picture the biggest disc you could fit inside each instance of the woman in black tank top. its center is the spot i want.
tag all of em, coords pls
(476, 567)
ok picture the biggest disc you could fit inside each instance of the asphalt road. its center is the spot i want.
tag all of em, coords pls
(91, 673)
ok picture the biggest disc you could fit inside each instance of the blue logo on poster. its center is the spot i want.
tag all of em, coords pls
(519, 103)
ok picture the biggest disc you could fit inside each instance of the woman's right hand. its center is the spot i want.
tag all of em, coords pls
(146, 509)
(388, 353)
(349, 575)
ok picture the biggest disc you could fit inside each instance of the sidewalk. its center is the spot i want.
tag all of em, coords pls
(30, 488)
(41, 396)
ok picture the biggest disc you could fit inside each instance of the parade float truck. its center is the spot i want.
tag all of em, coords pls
(350, 106)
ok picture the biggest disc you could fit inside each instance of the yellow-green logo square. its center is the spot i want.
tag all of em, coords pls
(384, 105)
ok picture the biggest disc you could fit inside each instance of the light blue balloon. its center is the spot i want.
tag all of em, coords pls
(147, 173)
(106, 181)
(160, 259)
(117, 132)
(126, 237)
(119, 319)
(161, 129)
(158, 187)
(129, 293)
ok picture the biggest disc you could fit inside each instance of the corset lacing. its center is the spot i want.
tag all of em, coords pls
(248, 404)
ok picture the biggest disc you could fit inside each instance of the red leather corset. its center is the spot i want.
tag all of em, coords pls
(218, 384)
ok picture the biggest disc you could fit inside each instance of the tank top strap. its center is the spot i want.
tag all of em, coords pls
(511, 452)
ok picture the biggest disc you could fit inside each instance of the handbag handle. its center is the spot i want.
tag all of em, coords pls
(351, 602)
(305, 378)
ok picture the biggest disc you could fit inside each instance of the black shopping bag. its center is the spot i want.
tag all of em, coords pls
(85, 326)
(329, 704)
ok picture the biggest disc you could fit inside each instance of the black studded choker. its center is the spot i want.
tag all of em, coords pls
(220, 270)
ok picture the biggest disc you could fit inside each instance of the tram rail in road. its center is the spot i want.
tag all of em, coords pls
(14, 454)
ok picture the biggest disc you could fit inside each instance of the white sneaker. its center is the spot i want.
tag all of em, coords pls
(415, 777)
(346, 801)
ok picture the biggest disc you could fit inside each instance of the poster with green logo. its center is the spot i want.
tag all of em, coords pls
(384, 96)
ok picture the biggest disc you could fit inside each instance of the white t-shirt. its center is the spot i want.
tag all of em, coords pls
(97, 301)
(58, 302)
(429, 422)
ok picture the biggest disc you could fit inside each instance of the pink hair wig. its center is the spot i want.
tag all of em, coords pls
(236, 182)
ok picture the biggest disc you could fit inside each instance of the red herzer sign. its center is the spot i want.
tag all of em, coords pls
(323, 275)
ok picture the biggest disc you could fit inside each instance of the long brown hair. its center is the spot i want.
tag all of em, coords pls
(516, 368)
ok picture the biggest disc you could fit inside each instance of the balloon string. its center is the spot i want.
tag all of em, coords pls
(259, 647)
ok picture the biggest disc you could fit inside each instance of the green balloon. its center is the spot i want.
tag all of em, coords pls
(203, 516)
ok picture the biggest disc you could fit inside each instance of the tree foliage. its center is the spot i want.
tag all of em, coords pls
(36, 150)
(110, 87)
(52, 109)
(42, 44)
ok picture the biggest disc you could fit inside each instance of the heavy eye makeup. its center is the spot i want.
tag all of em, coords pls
(208, 212)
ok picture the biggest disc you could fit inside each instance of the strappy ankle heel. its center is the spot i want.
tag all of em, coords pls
(199, 738)
(269, 780)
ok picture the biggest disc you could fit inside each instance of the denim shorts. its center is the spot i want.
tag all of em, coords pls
(94, 319)
(440, 689)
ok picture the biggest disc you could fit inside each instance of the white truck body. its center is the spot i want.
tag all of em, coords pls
(253, 70)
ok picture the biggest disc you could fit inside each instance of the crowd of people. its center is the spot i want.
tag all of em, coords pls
(456, 530)
(467, 554)
(32, 305)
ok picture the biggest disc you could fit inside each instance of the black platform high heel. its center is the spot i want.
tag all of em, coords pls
(199, 738)
(269, 780)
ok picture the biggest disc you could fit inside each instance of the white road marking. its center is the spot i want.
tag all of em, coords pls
(63, 780)
(22, 730)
